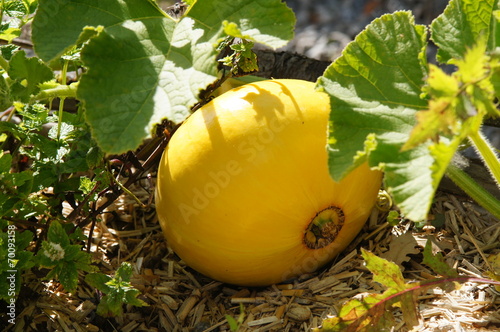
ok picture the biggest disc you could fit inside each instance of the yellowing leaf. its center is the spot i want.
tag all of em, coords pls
(455, 98)
(494, 261)
(374, 312)
(440, 117)
(473, 66)
(494, 274)
(232, 29)
(384, 272)
(440, 84)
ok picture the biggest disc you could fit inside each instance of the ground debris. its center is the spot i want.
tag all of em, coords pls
(180, 299)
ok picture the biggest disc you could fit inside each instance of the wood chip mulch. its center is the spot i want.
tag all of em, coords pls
(182, 300)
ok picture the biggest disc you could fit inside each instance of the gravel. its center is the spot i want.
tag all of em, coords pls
(325, 27)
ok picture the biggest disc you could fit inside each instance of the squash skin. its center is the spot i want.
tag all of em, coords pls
(242, 178)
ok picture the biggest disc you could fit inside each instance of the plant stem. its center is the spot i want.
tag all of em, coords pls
(2, 6)
(487, 153)
(61, 102)
(474, 190)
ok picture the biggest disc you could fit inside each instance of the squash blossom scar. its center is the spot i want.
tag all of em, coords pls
(324, 227)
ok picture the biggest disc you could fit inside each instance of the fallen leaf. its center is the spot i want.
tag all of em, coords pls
(400, 247)
(437, 245)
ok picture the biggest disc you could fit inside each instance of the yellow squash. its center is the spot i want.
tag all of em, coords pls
(244, 194)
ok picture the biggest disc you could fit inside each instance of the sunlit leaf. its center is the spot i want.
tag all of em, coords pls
(384, 272)
(462, 23)
(27, 74)
(375, 89)
(145, 66)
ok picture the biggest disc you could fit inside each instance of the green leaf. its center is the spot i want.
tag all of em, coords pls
(142, 71)
(68, 276)
(21, 178)
(50, 255)
(23, 239)
(110, 305)
(99, 281)
(440, 117)
(5, 100)
(9, 33)
(5, 162)
(16, 131)
(462, 23)
(15, 8)
(124, 272)
(27, 74)
(374, 90)
(393, 218)
(266, 22)
(374, 312)
(57, 234)
(64, 258)
(58, 23)
(233, 324)
(7, 51)
(131, 298)
(66, 131)
(436, 262)
(19, 259)
(34, 116)
(32, 4)
(78, 235)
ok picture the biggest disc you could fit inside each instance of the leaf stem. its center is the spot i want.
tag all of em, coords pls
(474, 190)
(131, 194)
(487, 153)
(4, 64)
(61, 91)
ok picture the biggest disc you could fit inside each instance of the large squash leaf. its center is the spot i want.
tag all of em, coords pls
(375, 91)
(388, 107)
(145, 66)
(58, 23)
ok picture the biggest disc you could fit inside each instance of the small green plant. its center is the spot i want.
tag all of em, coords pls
(63, 258)
(118, 291)
(235, 323)
(241, 57)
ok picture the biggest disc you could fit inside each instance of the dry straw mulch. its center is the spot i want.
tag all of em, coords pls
(182, 300)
